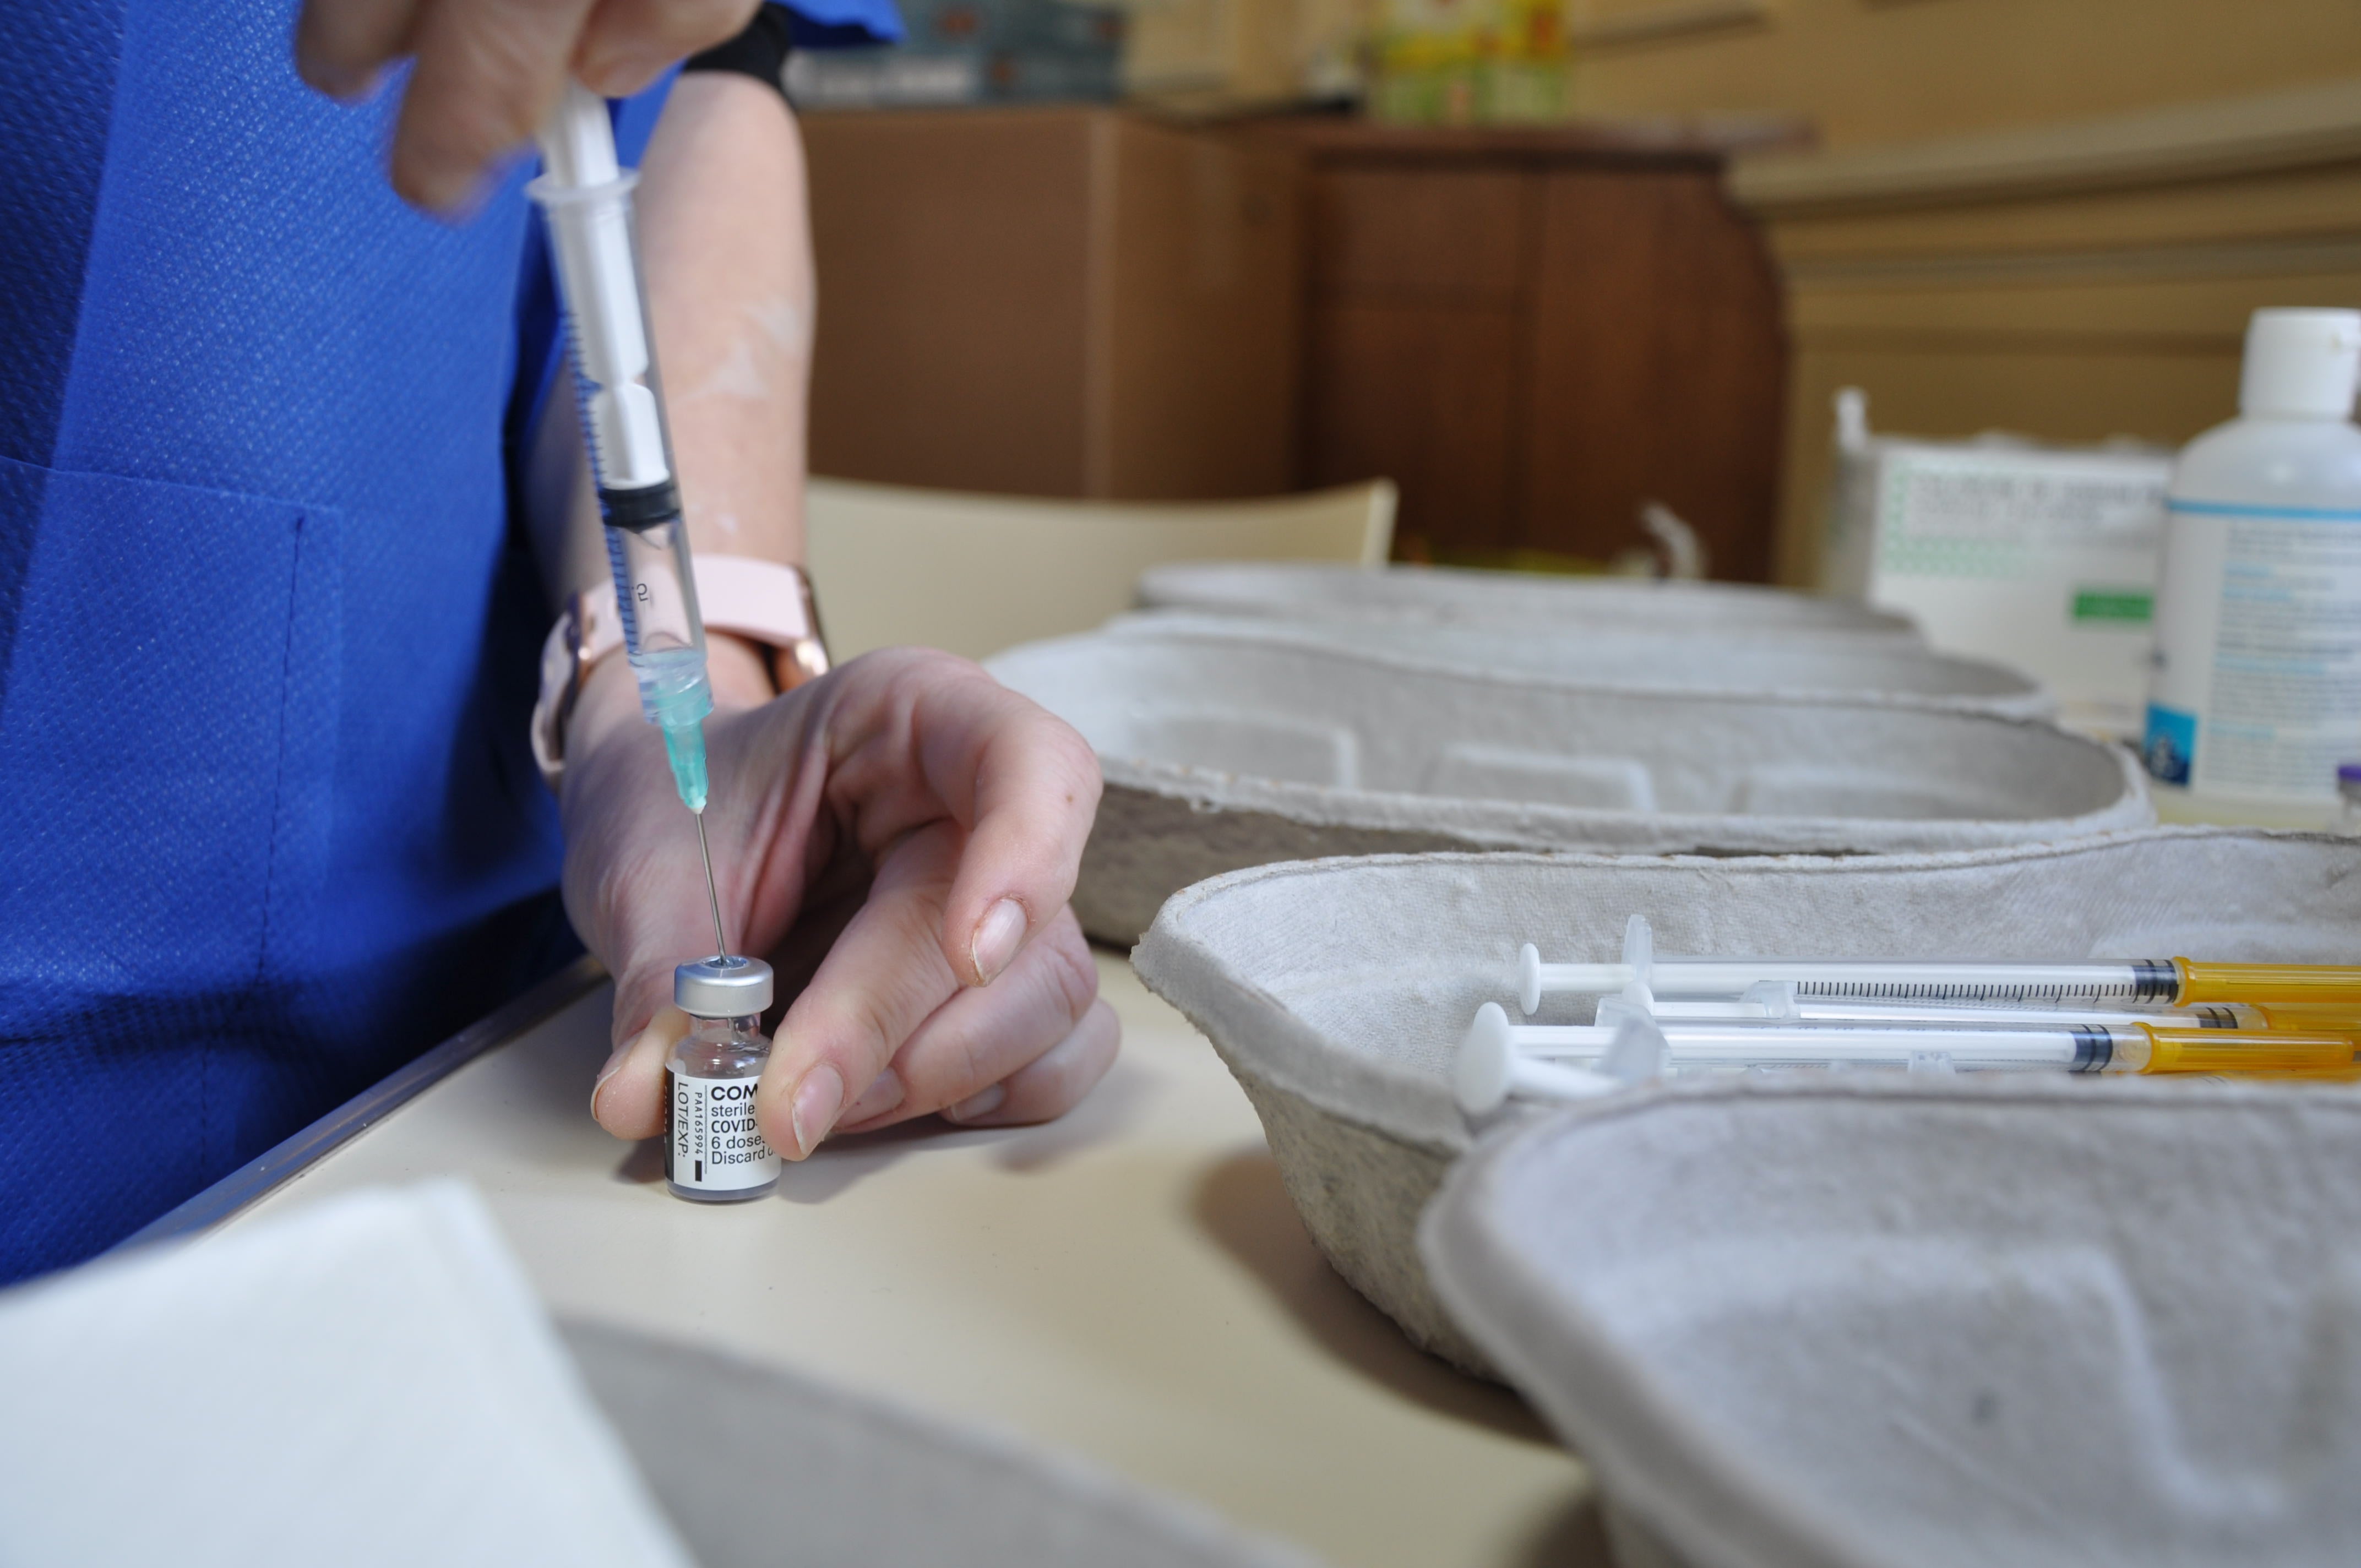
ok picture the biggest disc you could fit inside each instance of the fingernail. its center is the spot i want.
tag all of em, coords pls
(444, 190)
(817, 1099)
(338, 81)
(997, 937)
(884, 1091)
(983, 1102)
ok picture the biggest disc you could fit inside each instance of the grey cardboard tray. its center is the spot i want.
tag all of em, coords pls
(1337, 991)
(757, 1466)
(1220, 754)
(1303, 590)
(1883, 1324)
(1843, 665)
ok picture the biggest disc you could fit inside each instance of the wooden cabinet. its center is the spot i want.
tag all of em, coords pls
(1060, 302)
(1536, 332)
(1533, 333)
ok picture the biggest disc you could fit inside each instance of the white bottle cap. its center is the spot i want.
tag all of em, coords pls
(2302, 365)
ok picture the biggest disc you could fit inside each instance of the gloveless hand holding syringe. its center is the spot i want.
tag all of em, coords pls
(586, 196)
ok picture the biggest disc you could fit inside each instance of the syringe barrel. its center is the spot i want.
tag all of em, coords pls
(2129, 982)
(623, 413)
(587, 201)
(594, 237)
(663, 631)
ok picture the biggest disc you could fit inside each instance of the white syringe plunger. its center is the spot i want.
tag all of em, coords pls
(586, 198)
(1536, 979)
(1490, 1067)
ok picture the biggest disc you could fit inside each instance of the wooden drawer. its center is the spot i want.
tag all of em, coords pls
(1656, 369)
(1454, 232)
(1422, 393)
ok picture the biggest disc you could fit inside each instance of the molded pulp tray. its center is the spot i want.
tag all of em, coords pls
(1220, 754)
(1304, 589)
(1842, 665)
(1861, 1324)
(1337, 991)
(757, 1466)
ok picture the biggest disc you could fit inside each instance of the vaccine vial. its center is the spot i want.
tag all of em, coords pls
(714, 1151)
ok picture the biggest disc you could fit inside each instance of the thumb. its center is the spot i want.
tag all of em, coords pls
(628, 1100)
(651, 916)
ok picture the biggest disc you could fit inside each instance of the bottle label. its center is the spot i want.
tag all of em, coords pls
(2257, 689)
(710, 1140)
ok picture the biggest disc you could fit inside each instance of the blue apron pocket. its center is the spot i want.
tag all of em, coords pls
(166, 745)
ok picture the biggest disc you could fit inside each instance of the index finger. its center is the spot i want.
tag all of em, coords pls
(881, 977)
(1022, 783)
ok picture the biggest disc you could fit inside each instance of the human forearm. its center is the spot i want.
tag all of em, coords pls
(727, 250)
(727, 270)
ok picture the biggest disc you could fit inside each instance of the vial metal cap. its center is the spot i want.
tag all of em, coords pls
(722, 987)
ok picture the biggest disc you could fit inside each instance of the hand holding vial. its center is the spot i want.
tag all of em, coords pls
(906, 814)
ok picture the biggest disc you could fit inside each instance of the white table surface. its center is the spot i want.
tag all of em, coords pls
(1130, 1284)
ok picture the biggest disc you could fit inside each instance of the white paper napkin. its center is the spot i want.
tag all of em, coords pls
(369, 1380)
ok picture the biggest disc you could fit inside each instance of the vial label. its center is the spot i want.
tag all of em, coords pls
(710, 1139)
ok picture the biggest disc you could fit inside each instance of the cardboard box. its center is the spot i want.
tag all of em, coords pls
(2045, 558)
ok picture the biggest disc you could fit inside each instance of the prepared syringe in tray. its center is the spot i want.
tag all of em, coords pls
(1665, 1015)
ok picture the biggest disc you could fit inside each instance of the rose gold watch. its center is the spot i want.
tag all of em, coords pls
(764, 601)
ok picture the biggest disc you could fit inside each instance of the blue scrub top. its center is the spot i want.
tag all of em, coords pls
(267, 637)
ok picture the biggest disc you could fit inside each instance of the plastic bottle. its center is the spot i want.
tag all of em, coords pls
(2257, 696)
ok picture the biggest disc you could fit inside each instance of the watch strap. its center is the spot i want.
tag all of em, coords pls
(767, 602)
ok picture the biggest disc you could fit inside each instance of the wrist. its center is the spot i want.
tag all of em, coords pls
(762, 636)
(609, 700)
(740, 671)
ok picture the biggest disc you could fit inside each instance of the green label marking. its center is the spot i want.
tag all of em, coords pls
(2132, 605)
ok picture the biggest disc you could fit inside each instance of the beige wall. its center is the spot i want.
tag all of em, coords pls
(2071, 282)
(2016, 219)
(2051, 216)
(1873, 71)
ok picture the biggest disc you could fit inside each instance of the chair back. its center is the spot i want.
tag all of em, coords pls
(976, 574)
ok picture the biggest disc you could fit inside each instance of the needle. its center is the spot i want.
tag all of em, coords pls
(720, 942)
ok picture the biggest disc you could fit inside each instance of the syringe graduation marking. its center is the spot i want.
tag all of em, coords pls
(1966, 991)
(2149, 979)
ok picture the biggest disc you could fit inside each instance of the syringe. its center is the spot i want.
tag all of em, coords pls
(2135, 982)
(1775, 1003)
(1498, 1058)
(586, 196)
